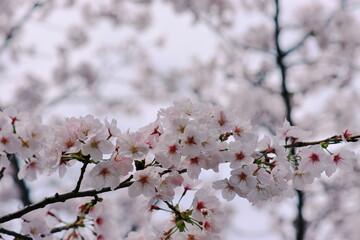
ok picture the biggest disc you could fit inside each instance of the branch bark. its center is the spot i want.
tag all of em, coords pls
(298, 45)
(300, 222)
(61, 198)
(23, 189)
(331, 140)
(14, 234)
(77, 188)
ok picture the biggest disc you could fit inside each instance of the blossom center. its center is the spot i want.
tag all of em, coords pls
(95, 144)
(242, 177)
(190, 141)
(104, 172)
(134, 149)
(99, 221)
(238, 131)
(200, 206)
(314, 158)
(69, 143)
(144, 180)
(240, 156)
(4, 140)
(337, 158)
(194, 160)
(172, 149)
(34, 231)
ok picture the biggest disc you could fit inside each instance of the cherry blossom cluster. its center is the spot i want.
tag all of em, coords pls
(25, 136)
(168, 154)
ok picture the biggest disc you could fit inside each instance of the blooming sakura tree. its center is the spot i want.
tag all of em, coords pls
(157, 161)
(272, 60)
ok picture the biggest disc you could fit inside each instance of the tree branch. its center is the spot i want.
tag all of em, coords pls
(300, 223)
(23, 189)
(280, 55)
(77, 188)
(61, 198)
(15, 234)
(298, 45)
(75, 224)
(331, 140)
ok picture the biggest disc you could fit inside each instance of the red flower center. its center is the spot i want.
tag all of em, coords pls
(172, 149)
(242, 177)
(337, 158)
(240, 156)
(200, 205)
(314, 158)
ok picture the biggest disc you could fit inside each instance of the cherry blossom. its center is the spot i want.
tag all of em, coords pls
(244, 178)
(123, 165)
(167, 155)
(35, 226)
(97, 145)
(241, 153)
(313, 160)
(301, 179)
(132, 145)
(168, 151)
(191, 140)
(229, 190)
(9, 142)
(291, 133)
(67, 140)
(112, 128)
(145, 182)
(31, 169)
(344, 160)
(205, 205)
(104, 175)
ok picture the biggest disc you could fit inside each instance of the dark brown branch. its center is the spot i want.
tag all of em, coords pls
(331, 140)
(77, 188)
(23, 189)
(176, 211)
(61, 198)
(15, 234)
(280, 55)
(298, 45)
(2, 172)
(300, 222)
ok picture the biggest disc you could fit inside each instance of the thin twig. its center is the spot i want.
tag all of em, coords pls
(67, 227)
(15, 234)
(298, 45)
(331, 140)
(77, 188)
(61, 198)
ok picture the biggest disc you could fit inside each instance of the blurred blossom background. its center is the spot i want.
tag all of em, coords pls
(125, 59)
